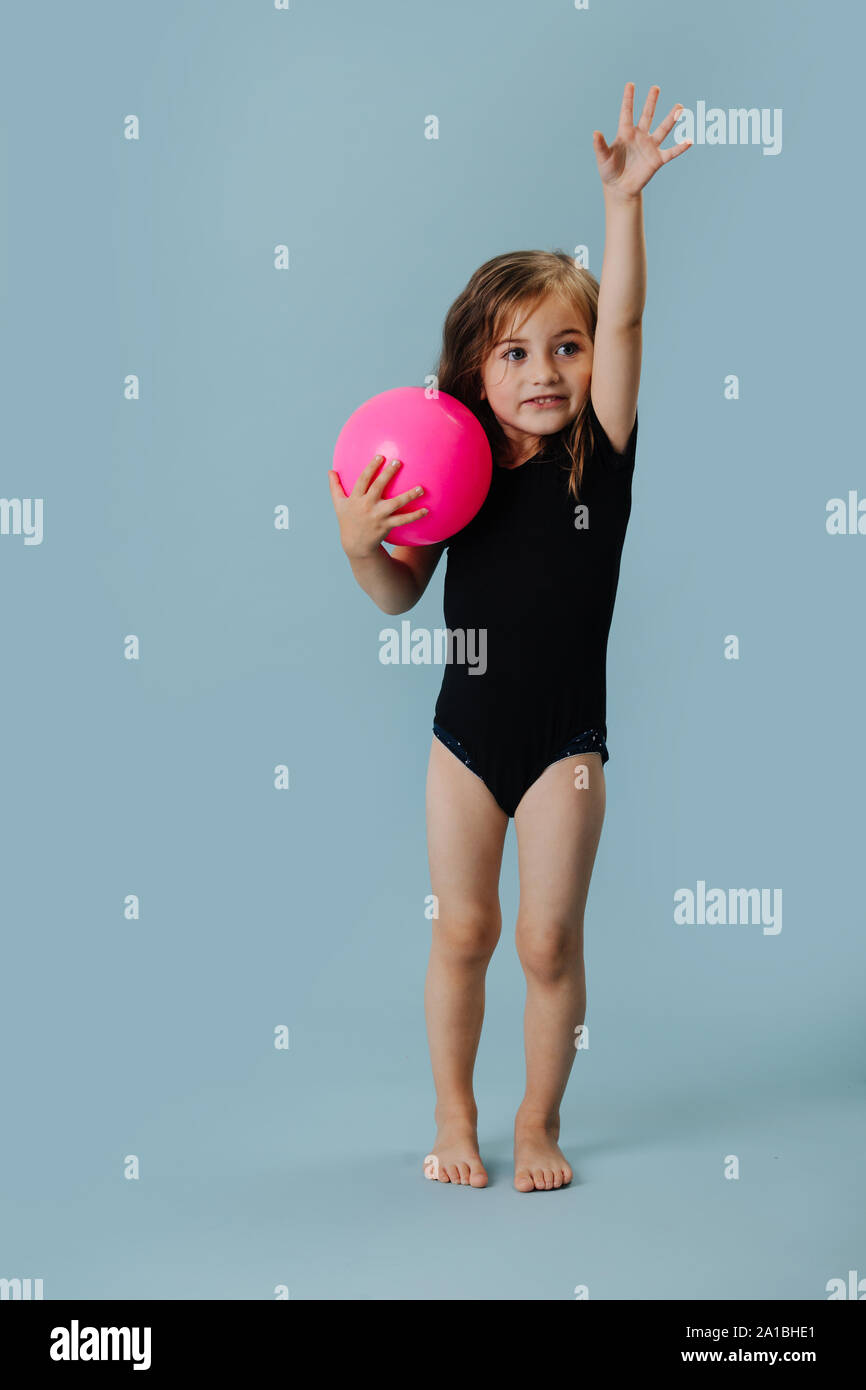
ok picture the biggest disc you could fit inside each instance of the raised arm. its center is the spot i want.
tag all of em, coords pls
(625, 168)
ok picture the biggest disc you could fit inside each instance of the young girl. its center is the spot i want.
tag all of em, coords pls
(549, 362)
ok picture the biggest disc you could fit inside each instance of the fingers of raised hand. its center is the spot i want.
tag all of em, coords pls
(626, 110)
(664, 127)
(679, 148)
(601, 146)
(649, 107)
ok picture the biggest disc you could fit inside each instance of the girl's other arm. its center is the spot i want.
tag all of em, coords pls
(394, 582)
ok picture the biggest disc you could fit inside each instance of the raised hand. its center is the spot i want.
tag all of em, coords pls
(629, 163)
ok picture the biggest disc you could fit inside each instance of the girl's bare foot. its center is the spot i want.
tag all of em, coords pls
(454, 1156)
(539, 1163)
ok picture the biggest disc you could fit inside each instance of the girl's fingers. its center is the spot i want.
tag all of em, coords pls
(600, 143)
(383, 478)
(362, 481)
(337, 493)
(626, 110)
(667, 155)
(407, 516)
(667, 124)
(392, 503)
(649, 107)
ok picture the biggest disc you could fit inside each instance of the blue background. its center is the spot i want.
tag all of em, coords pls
(305, 907)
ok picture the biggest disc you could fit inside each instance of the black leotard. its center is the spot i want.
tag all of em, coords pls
(543, 587)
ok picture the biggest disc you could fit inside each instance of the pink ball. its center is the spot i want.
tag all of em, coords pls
(442, 447)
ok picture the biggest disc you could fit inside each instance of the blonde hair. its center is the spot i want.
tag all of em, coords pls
(495, 294)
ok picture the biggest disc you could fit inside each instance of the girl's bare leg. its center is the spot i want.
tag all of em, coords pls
(558, 830)
(465, 837)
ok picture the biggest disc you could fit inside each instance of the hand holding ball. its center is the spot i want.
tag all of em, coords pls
(442, 447)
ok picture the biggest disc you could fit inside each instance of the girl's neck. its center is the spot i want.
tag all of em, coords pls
(509, 456)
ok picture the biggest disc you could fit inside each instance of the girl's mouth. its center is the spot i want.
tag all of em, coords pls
(546, 402)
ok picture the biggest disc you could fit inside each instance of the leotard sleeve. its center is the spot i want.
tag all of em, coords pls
(605, 449)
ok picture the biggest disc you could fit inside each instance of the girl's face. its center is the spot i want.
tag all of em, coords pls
(549, 356)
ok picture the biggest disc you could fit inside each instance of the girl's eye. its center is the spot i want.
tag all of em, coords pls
(569, 344)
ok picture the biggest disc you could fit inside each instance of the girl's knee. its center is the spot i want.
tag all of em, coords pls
(468, 933)
(550, 950)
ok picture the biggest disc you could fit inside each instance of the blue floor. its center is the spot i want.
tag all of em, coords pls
(291, 1179)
